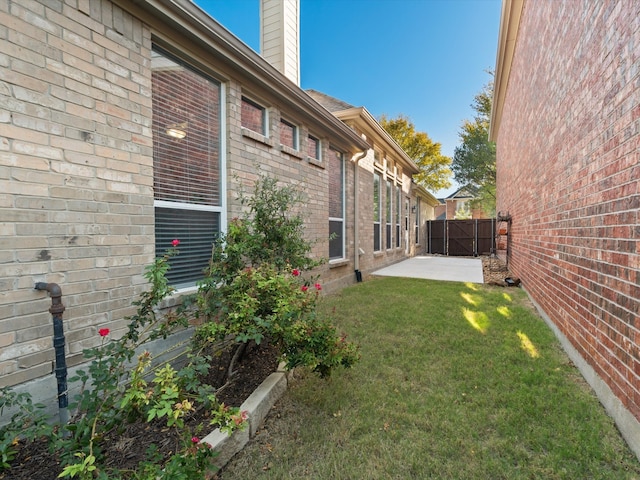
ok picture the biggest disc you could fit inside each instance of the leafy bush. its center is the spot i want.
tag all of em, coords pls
(255, 287)
(27, 422)
(113, 393)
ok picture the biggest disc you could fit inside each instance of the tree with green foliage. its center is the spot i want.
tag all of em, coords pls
(434, 167)
(474, 160)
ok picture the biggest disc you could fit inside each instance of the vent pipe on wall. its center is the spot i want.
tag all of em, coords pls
(56, 310)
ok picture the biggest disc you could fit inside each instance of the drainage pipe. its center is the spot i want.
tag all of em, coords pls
(356, 219)
(56, 310)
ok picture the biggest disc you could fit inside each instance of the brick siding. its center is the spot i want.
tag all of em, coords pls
(76, 172)
(568, 160)
(75, 157)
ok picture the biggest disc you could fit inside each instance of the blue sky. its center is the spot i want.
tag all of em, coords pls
(426, 59)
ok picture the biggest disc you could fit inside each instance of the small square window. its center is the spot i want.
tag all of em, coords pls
(288, 134)
(253, 117)
(313, 147)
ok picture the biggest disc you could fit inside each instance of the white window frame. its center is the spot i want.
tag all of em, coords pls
(221, 209)
(398, 214)
(377, 225)
(389, 214)
(343, 219)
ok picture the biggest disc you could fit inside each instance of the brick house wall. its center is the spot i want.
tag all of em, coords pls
(568, 165)
(77, 175)
(76, 167)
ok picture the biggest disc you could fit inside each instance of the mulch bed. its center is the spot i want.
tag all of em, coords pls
(495, 271)
(127, 449)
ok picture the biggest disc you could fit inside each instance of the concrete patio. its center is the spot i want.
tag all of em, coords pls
(453, 269)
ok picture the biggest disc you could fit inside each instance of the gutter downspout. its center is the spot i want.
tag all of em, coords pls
(356, 218)
(57, 308)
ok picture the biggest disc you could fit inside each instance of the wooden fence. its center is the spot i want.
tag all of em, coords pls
(468, 238)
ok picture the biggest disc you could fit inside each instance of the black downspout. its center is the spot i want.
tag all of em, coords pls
(56, 310)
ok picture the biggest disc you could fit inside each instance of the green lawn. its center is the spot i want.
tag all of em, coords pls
(456, 381)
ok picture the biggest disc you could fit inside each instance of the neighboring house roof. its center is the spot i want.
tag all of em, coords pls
(220, 43)
(330, 103)
(367, 124)
(466, 192)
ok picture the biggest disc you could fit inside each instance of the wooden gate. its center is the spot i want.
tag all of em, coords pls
(437, 235)
(468, 238)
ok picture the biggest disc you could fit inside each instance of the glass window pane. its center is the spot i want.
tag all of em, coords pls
(253, 116)
(288, 134)
(313, 147)
(196, 230)
(186, 134)
(336, 242)
(186, 128)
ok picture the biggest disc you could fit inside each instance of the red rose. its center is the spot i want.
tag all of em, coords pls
(103, 332)
(318, 286)
(295, 272)
(304, 288)
(175, 242)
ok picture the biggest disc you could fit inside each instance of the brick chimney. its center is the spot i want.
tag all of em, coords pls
(280, 36)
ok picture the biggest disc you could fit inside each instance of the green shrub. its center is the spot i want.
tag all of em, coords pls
(256, 287)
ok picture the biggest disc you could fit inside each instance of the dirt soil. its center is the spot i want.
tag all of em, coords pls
(495, 271)
(127, 449)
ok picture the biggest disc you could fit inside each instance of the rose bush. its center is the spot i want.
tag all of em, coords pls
(255, 286)
(112, 393)
(258, 285)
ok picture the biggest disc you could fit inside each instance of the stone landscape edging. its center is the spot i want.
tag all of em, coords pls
(257, 406)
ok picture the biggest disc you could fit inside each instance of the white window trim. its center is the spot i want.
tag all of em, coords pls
(379, 206)
(398, 216)
(343, 213)
(222, 208)
(336, 219)
(388, 189)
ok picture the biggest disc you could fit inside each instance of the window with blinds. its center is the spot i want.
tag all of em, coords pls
(376, 212)
(388, 214)
(186, 165)
(397, 215)
(417, 226)
(336, 205)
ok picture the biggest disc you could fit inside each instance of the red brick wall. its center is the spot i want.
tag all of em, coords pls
(568, 172)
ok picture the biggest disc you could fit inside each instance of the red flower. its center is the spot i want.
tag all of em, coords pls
(318, 286)
(195, 439)
(103, 332)
(295, 272)
(304, 288)
(175, 242)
